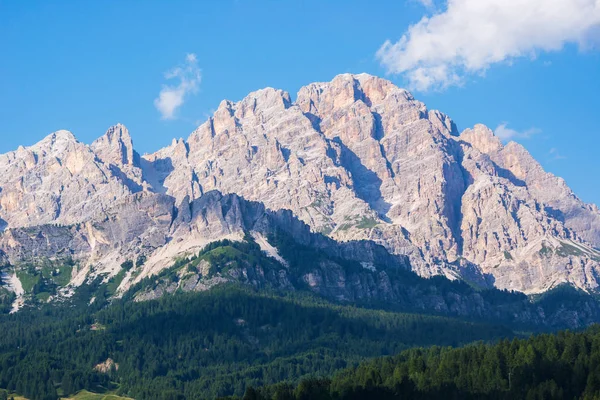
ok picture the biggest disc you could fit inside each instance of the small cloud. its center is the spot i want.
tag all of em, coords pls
(555, 155)
(191, 58)
(171, 97)
(505, 133)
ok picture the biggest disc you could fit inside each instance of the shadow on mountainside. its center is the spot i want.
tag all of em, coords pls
(156, 172)
(366, 182)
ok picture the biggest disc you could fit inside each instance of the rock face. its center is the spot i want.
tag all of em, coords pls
(148, 226)
(58, 180)
(107, 366)
(355, 158)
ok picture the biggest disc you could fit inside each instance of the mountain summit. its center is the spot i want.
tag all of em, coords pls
(356, 158)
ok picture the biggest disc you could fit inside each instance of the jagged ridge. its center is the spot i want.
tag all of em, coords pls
(354, 158)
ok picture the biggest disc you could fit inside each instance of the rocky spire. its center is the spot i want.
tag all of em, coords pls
(115, 147)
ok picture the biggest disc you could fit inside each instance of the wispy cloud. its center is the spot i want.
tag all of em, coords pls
(172, 97)
(505, 133)
(555, 155)
(471, 35)
(426, 3)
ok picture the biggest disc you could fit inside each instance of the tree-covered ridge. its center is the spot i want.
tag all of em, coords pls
(202, 345)
(310, 269)
(549, 366)
(319, 268)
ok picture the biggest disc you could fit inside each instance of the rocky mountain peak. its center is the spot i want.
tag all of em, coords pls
(262, 101)
(115, 146)
(62, 135)
(346, 89)
(61, 180)
(482, 138)
(54, 143)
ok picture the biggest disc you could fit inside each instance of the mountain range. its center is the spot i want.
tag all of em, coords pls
(355, 168)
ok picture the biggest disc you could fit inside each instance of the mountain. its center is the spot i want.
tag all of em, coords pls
(349, 165)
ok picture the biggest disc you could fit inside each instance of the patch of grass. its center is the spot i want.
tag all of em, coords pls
(363, 223)
(45, 275)
(29, 278)
(367, 223)
(507, 255)
(43, 296)
(229, 252)
(344, 227)
(545, 251)
(59, 274)
(222, 259)
(12, 395)
(566, 249)
(114, 282)
(85, 395)
(326, 231)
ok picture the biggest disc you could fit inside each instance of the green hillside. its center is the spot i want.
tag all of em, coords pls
(545, 367)
(202, 345)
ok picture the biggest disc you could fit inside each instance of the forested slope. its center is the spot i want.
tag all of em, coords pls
(549, 366)
(202, 345)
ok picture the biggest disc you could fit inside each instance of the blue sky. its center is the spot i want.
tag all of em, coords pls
(84, 66)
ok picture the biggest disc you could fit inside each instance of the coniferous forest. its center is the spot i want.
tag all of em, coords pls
(238, 341)
(204, 345)
(549, 366)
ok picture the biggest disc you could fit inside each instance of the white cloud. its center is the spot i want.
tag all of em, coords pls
(471, 35)
(505, 133)
(555, 154)
(170, 97)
